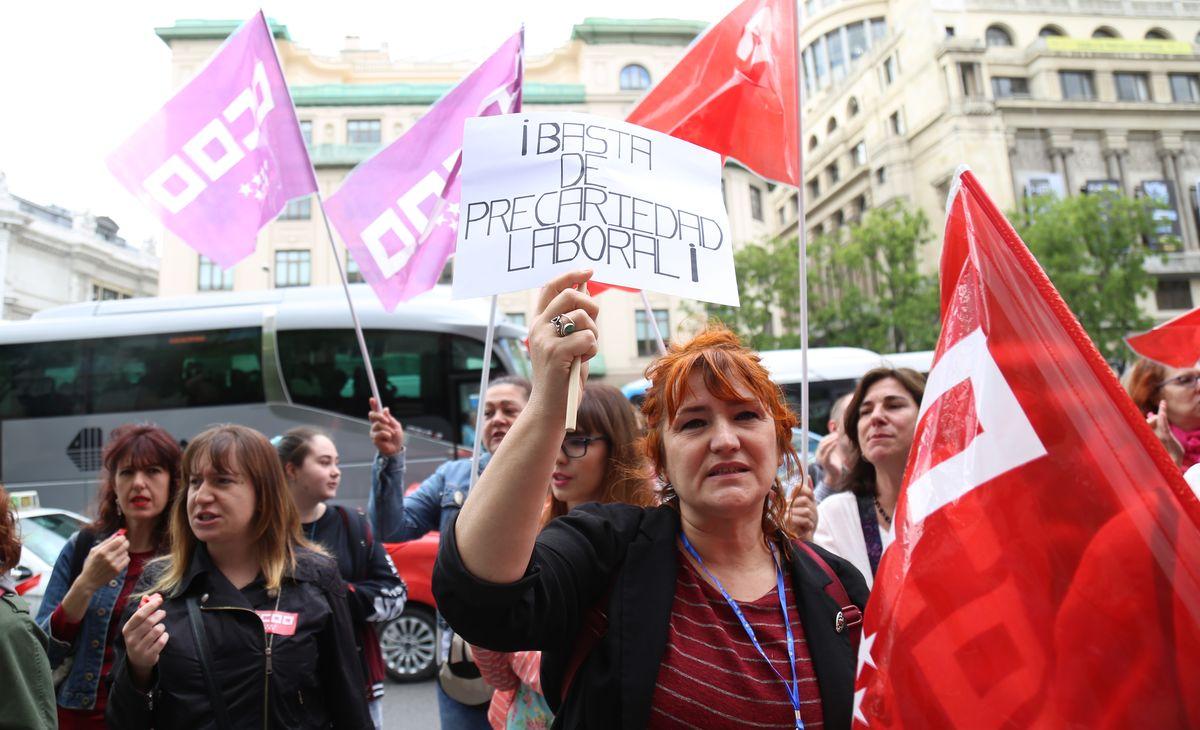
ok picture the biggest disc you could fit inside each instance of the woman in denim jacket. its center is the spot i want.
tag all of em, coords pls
(397, 517)
(87, 591)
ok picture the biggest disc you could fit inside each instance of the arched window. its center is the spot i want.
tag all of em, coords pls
(852, 107)
(998, 35)
(634, 78)
(1105, 32)
(1050, 31)
(831, 126)
(1157, 34)
(812, 142)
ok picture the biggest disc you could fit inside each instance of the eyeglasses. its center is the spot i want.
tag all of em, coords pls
(1187, 380)
(575, 447)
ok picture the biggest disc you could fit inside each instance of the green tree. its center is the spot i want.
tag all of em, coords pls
(1091, 247)
(866, 288)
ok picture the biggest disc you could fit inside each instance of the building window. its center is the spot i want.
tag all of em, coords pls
(812, 142)
(814, 188)
(859, 154)
(856, 38)
(890, 70)
(820, 62)
(834, 174)
(293, 268)
(306, 131)
(1157, 34)
(878, 29)
(647, 343)
(881, 175)
(756, 203)
(1077, 85)
(837, 54)
(997, 36)
(831, 127)
(969, 77)
(1007, 87)
(634, 78)
(363, 131)
(852, 107)
(896, 123)
(101, 293)
(299, 209)
(517, 318)
(860, 206)
(1105, 32)
(1173, 294)
(1051, 31)
(1132, 86)
(949, 31)
(353, 273)
(1185, 87)
(211, 277)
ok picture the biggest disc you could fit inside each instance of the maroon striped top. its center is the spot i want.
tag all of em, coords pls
(711, 674)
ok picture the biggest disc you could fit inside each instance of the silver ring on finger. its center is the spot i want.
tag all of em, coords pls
(563, 324)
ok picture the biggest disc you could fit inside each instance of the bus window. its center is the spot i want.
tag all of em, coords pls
(324, 369)
(821, 396)
(136, 373)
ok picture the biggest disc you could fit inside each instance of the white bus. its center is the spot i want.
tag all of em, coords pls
(270, 360)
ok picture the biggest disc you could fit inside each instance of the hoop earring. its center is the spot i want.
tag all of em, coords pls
(667, 490)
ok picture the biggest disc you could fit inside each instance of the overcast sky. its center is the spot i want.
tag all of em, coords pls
(77, 78)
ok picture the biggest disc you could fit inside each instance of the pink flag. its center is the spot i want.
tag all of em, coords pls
(225, 154)
(398, 211)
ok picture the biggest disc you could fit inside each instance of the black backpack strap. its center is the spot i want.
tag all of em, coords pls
(200, 637)
(83, 545)
(359, 532)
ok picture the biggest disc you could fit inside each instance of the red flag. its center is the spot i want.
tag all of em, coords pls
(1046, 567)
(599, 287)
(1175, 343)
(734, 92)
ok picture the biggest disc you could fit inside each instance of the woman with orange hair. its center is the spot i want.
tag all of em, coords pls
(1170, 400)
(703, 611)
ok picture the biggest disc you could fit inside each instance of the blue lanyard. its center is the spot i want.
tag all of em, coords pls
(793, 690)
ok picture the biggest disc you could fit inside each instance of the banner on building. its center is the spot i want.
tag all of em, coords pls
(553, 191)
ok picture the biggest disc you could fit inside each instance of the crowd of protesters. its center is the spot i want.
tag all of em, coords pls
(663, 568)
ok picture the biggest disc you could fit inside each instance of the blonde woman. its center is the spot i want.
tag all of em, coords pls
(243, 618)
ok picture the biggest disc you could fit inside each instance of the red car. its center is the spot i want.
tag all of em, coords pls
(409, 642)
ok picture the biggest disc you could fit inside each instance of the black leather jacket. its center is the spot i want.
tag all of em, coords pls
(312, 679)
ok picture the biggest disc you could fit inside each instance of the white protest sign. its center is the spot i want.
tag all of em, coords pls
(549, 192)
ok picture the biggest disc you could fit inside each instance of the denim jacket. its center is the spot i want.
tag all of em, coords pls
(399, 518)
(78, 691)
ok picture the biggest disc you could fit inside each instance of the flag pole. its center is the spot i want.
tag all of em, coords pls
(802, 230)
(337, 259)
(662, 345)
(358, 332)
(484, 377)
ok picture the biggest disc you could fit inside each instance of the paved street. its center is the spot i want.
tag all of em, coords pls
(410, 706)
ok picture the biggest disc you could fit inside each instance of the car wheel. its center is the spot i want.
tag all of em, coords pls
(409, 645)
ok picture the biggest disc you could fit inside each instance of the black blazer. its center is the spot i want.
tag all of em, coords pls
(634, 550)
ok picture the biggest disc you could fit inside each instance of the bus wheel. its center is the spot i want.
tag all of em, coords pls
(409, 645)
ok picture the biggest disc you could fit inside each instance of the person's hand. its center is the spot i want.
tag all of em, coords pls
(801, 515)
(105, 561)
(145, 637)
(831, 457)
(552, 355)
(1162, 429)
(386, 432)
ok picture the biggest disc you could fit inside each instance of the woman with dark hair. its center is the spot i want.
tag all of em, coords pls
(701, 612)
(599, 461)
(99, 566)
(375, 591)
(242, 617)
(28, 697)
(879, 421)
(1170, 400)
(400, 517)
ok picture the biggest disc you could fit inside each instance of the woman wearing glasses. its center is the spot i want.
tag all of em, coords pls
(597, 462)
(1171, 401)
